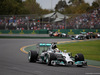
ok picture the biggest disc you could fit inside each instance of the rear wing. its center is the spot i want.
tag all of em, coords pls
(83, 32)
(43, 47)
(44, 44)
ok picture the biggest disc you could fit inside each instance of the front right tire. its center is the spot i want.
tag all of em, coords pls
(79, 57)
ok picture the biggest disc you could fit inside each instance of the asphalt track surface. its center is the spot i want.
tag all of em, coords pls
(15, 62)
(35, 35)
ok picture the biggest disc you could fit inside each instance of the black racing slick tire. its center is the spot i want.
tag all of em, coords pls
(50, 57)
(79, 57)
(87, 37)
(32, 56)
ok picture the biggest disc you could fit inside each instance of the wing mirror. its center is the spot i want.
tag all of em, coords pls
(65, 51)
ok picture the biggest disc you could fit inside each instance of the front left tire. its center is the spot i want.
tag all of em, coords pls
(32, 56)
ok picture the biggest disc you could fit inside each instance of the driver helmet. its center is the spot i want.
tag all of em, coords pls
(57, 50)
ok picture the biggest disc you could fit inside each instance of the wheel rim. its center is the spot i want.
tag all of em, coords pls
(47, 60)
(29, 56)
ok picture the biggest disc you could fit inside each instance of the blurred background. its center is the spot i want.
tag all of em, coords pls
(49, 14)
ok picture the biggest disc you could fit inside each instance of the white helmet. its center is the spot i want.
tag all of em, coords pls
(57, 50)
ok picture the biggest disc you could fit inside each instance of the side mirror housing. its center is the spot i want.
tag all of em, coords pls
(65, 51)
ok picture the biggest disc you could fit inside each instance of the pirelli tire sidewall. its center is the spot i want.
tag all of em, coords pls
(32, 56)
(79, 57)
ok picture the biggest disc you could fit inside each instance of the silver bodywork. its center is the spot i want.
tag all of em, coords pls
(65, 55)
(50, 54)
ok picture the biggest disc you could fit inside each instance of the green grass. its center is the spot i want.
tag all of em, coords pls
(90, 49)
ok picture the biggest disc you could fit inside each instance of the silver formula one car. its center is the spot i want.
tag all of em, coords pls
(49, 53)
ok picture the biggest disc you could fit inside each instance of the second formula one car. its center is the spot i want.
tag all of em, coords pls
(57, 34)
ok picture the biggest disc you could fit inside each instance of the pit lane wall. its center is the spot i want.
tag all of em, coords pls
(42, 31)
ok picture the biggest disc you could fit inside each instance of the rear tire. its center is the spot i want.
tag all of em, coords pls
(87, 37)
(32, 56)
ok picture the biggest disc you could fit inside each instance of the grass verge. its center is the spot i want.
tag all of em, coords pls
(90, 49)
